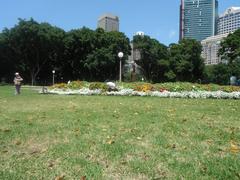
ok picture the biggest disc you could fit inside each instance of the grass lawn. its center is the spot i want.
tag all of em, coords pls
(107, 137)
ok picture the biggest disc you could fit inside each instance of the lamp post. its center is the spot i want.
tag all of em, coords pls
(120, 55)
(53, 72)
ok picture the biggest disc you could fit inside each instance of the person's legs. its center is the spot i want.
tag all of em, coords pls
(18, 89)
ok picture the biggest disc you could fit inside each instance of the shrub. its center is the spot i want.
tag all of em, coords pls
(75, 85)
(3, 84)
(98, 85)
(144, 87)
(59, 86)
(230, 88)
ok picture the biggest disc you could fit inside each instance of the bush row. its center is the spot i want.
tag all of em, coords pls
(145, 87)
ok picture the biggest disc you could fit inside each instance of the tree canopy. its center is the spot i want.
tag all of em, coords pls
(31, 46)
(35, 49)
(230, 47)
(179, 62)
(153, 57)
(186, 61)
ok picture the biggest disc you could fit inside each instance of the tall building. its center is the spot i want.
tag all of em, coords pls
(108, 22)
(229, 21)
(210, 47)
(198, 18)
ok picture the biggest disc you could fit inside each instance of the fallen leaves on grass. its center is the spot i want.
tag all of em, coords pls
(17, 142)
(184, 120)
(210, 141)
(174, 146)
(123, 162)
(4, 151)
(234, 147)
(77, 129)
(83, 178)
(50, 164)
(35, 151)
(61, 177)
(110, 141)
(15, 121)
(6, 130)
(171, 146)
(145, 156)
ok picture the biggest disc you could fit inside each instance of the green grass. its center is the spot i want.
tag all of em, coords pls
(107, 137)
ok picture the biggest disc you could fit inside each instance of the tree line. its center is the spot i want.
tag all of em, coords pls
(35, 49)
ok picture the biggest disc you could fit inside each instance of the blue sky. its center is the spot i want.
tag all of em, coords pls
(157, 18)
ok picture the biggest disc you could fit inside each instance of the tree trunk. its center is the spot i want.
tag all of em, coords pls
(32, 78)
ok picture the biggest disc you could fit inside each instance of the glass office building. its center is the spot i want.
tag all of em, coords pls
(198, 18)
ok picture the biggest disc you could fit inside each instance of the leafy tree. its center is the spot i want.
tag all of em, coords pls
(154, 58)
(33, 45)
(103, 62)
(230, 52)
(186, 61)
(6, 60)
(92, 55)
(218, 74)
(79, 44)
(230, 47)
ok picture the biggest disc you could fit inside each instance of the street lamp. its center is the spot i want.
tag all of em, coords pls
(120, 55)
(53, 71)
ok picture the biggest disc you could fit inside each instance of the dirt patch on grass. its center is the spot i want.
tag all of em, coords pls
(126, 177)
(33, 146)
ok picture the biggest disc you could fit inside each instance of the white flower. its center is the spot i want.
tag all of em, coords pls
(165, 94)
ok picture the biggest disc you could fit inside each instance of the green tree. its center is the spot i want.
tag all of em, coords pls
(103, 62)
(6, 60)
(154, 58)
(230, 53)
(230, 47)
(33, 46)
(218, 74)
(92, 55)
(79, 44)
(186, 61)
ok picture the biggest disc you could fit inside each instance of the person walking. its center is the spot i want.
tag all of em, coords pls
(17, 82)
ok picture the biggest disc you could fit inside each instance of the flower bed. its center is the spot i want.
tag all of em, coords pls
(167, 90)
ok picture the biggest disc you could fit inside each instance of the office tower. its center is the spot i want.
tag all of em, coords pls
(198, 18)
(229, 21)
(210, 47)
(181, 30)
(108, 22)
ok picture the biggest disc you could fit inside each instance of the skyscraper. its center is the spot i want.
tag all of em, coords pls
(108, 22)
(229, 21)
(198, 18)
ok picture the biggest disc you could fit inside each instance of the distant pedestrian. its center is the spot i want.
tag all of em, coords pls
(233, 80)
(17, 82)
